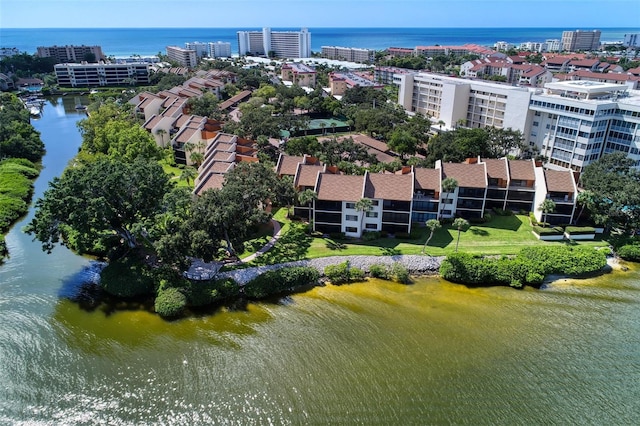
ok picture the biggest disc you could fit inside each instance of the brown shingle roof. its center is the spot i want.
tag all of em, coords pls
(339, 187)
(496, 168)
(210, 181)
(522, 170)
(427, 179)
(288, 164)
(307, 175)
(467, 175)
(389, 187)
(559, 181)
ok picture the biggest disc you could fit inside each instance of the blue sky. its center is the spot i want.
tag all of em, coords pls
(319, 13)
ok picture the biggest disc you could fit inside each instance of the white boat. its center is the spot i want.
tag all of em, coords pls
(34, 111)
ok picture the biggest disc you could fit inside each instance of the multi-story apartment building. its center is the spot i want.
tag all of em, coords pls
(574, 41)
(298, 73)
(7, 52)
(631, 40)
(185, 57)
(552, 45)
(339, 82)
(415, 195)
(279, 44)
(219, 49)
(202, 49)
(93, 75)
(352, 54)
(522, 74)
(70, 53)
(389, 75)
(572, 123)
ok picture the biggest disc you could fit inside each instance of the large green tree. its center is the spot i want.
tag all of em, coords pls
(105, 197)
(615, 184)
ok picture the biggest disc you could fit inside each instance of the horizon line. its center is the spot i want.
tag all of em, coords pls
(319, 27)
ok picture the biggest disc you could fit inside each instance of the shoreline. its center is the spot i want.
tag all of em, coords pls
(416, 265)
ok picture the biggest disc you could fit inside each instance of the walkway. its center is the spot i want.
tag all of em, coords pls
(277, 231)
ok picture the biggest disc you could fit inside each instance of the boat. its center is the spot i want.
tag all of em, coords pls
(34, 111)
(81, 107)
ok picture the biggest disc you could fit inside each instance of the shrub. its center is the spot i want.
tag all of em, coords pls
(501, 212)
(630, 252)
(127, 277)
(384, 234)
(547, 231)
(343, 273)
(280, 280)
(170, 302)
(370, 235)
(402, 235)
(488, 217)
(337, 235)
(579, 230)
(378, 270)
(203, 293)
(400, 273)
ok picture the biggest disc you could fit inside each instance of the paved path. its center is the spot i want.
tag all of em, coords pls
(277, 231)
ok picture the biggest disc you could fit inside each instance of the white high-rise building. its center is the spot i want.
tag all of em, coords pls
(202, 49)
(185, 57)
(572, 123)
(279, 44)
(573, 41)
(220, 49)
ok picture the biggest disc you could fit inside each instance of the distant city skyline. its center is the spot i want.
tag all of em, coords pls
(569, 14)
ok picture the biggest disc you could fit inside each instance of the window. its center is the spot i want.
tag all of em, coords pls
(372, 214)
(351, 205)
(352, 217)
(351, 229)
(371, 226)
(374, 202)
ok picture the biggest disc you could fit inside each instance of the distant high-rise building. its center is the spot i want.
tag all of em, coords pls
(352, 54)
(69, 53)
(185, 57)
(219, 49)
(279, 44)
(631, 40)
(202, 49)
(573, 41)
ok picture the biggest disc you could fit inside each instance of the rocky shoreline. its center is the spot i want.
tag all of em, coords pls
(415, 264)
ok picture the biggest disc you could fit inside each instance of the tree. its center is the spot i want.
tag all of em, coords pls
(615, 183)
(196, 158)
(286, 192)
(403, 143)
(161, 133)
(460, 224)
(363, 205)
(307, 197)
(501, 142)
(105, 197)
(432, 225)
(547, 206)
(585, 198)
(449, 184)
(188, 174)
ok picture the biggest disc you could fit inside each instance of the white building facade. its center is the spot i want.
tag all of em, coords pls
(280, 44)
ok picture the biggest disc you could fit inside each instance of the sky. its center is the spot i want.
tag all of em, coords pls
(580, 14)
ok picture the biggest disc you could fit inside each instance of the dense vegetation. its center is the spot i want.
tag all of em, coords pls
(529, 267)
(20, 149)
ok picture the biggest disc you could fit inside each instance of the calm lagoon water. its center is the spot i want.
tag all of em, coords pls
(370, 353)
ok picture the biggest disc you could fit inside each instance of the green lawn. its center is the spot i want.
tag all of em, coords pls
(175, 173)
(502, 235)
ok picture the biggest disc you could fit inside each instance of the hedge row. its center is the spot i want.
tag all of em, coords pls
(529, 267)
(16, 187)
(396, 272)
(630, 252)
(280, 280)
(556, 230)
(343, 273)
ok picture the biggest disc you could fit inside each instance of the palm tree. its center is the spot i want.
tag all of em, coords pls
(333, 126)
(448, 185)
(585, 198)
(307, 197)
(459, 223)
(322, 126)
(433, 225)
(546, 207)
(441, 123)
(197, 158)
(363, 205)
(161, 133)
(188, 174)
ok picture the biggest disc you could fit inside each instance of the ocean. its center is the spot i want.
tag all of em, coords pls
(149, 41)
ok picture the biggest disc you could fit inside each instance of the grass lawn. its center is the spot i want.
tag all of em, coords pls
(175, 173)
(502, 235)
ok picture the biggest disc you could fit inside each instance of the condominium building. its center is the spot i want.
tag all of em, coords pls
(202, 49)
(339, 82)
(92, 75)
(390, 75)
(631, 40)
(414, 195)
(574, 41)
(279, 44)
(7, 52)
(572, 123)
(185, 57)
(352, 54)
(298, 73)
(219, 49)
(70, 53)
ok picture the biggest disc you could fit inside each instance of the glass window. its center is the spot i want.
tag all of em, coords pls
(351, 229)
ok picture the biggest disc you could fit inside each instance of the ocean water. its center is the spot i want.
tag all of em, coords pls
(150, 41)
